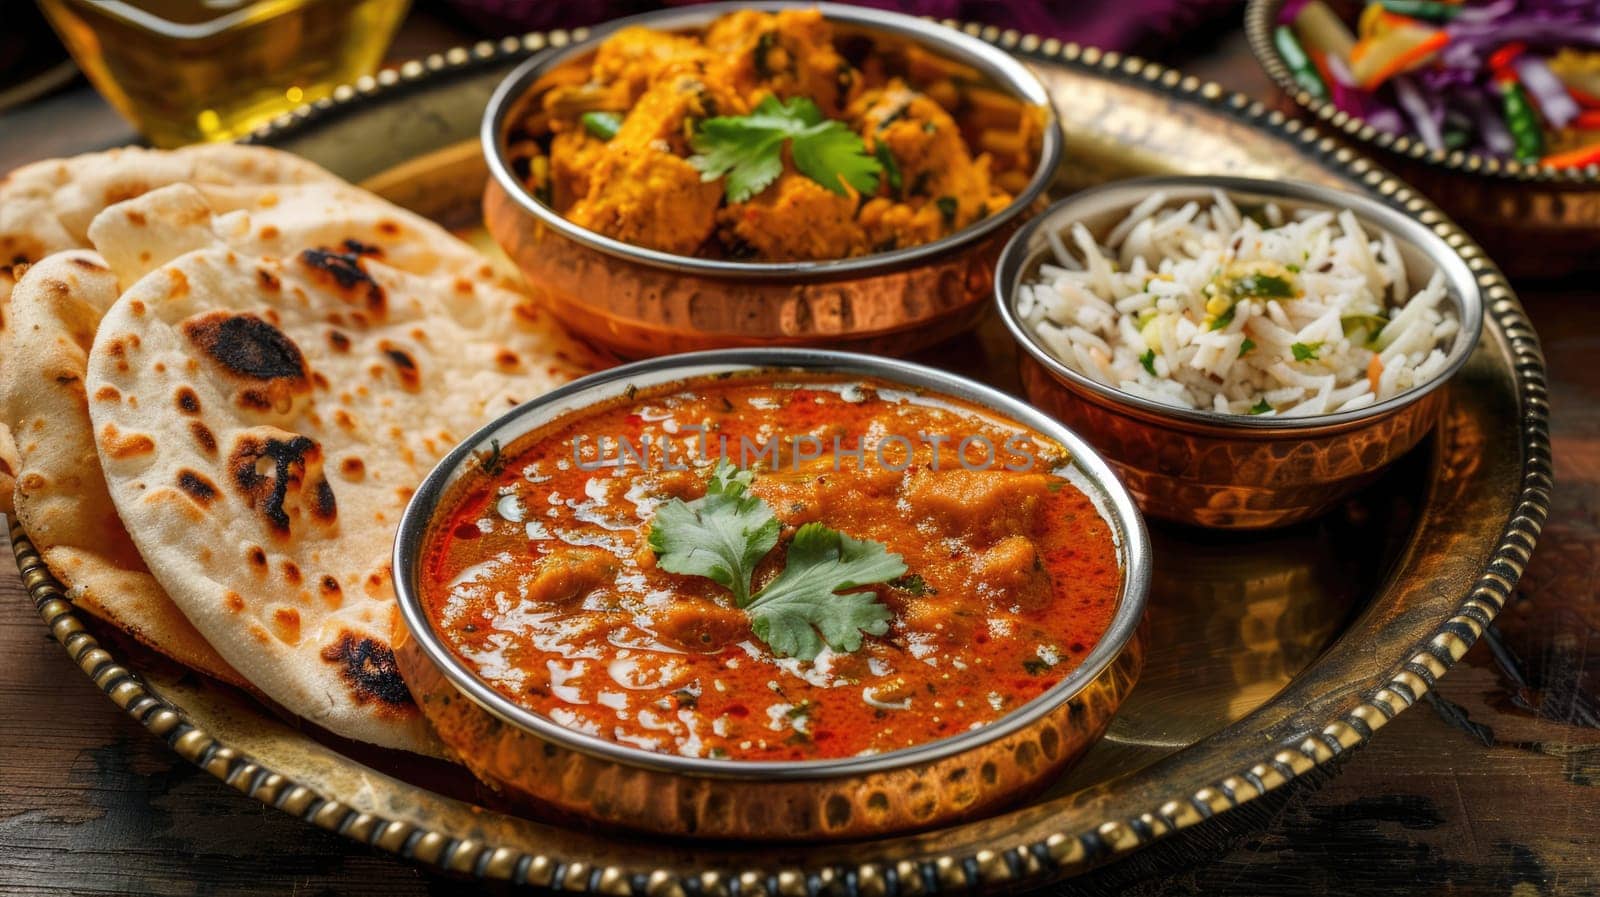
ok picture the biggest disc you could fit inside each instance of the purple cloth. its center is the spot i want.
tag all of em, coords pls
(1110, 24)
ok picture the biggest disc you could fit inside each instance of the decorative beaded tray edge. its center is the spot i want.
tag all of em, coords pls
(1035, 863)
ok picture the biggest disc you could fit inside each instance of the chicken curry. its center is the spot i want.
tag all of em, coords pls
(772, 567)
(770, 137)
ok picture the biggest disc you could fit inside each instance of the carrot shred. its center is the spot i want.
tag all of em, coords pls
(1407, 59)
(1374, 372)
(1581, 157)
(1319, 59)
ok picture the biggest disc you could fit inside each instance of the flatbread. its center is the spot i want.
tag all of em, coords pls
(61, 497)
(262, 419)
(47, 206)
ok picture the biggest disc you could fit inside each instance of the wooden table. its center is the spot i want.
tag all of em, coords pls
(1492, 787)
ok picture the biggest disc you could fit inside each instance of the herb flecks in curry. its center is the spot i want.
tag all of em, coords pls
(931, 598)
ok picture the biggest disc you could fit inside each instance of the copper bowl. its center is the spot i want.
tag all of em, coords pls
(1235, 471)
(534, 760)
(1536, 221)
(640, 302)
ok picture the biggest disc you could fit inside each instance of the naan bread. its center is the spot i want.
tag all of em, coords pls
(47, 207)
(262, 420)
(61, 497)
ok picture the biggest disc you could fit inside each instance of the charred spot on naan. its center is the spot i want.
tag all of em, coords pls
(267, 368)
(279, 475)
(187, 400)
(404, 365)
(88, 264)
(368, 668)
(344, 270)
(197, 486)
(19, 251)
(203, 437)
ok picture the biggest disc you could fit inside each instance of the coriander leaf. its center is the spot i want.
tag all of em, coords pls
(808, 604)
(603, 125)
(1223, 320)
(948, 206)
(748, 157)
(1148, 359)
(1262, 286)
(491, 462)
(1305, 351)
(1246, 346)
(833, 156)
(721, 536)
(1260, 407)
(747, 150)
(914, 584)
(891, 168)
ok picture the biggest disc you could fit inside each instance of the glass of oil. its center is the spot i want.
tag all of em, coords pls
(185, 71)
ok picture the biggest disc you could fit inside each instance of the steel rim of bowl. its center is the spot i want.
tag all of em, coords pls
(1006, 71)
(1113, 500)
(1261, 16)
(1461, 285)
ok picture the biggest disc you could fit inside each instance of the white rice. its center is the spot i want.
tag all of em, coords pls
(1165, 308)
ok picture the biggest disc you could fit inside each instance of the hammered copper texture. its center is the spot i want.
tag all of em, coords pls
(637, 310)
(947, 790)
(1223, 478)
(1481, 506)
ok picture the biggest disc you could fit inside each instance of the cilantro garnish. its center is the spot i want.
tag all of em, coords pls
(603, 125)
(1261, 407)
(1223, 319)
(914, 584)
(723, 535)
(891, 168)
(1305, 351)
(948, 207)
(1148, 359)
(491, 462)
(747, 150)
(1265, 286)
(1246, 346)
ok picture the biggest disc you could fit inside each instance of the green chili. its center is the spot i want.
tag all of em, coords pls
(1300, 65)
(1526, 133)
(603, 125)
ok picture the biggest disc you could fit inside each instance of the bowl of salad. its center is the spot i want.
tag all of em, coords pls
(1491, 107)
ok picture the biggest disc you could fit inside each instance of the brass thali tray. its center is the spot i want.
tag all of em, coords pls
(1270, 654)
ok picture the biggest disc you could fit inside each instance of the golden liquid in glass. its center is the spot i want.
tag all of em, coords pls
(184, 71)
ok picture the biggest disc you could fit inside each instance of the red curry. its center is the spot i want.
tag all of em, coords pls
(541, 577)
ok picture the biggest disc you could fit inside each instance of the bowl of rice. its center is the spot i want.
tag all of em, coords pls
(1246, 352)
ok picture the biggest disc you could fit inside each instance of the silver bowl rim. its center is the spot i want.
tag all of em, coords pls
(1114, 501)
(1006, 71)
(1462, 287)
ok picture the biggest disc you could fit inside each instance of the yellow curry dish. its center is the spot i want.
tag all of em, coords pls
(772, 137)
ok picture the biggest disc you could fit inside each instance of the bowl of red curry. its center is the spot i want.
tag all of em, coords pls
(780, 594)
